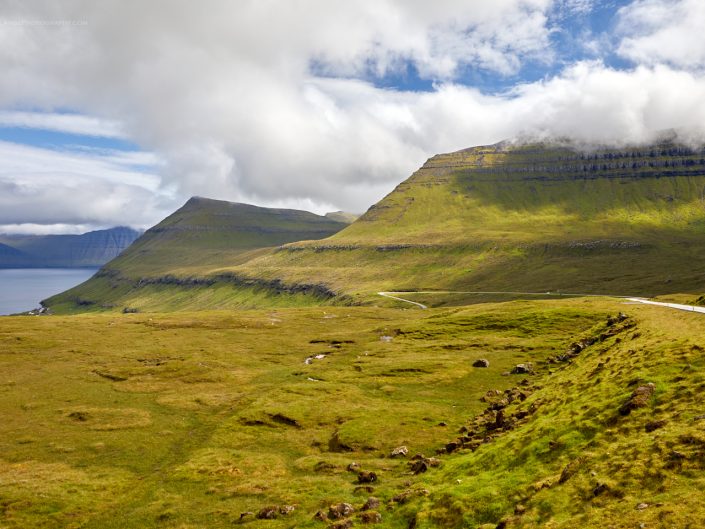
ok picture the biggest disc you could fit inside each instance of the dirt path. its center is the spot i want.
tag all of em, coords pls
(675, 306)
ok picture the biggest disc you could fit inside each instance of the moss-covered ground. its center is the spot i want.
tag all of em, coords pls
(190, 420)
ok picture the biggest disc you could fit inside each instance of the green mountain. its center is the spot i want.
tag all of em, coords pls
(176, 262)
(537, 217)
(508, 217)
(94, 248)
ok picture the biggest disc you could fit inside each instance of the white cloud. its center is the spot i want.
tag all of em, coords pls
(664, 31)
(67, 123)
(46, 187)
(227, 99)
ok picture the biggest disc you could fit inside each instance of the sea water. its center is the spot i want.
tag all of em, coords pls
(21, 289)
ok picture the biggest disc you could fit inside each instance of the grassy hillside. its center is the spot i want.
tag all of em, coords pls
(189, 420)
(522, 217)
(166, 267)
(539, 217)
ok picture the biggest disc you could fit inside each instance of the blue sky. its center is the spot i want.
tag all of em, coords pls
(321, 105)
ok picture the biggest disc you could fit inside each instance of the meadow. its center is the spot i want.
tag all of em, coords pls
(210, 419)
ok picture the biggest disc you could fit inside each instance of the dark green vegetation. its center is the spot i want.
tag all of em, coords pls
(90, 249)
(174, 265)
(540, 217)
(188, 420)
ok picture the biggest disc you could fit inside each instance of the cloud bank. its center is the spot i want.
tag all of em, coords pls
(306, 104)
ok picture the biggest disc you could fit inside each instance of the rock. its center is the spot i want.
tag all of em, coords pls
(523, 369)
(399, 451)
(371, 517)
(341, 510)
(408, 494)
(433, 462)
(354, 467)
(286, 510)
(481, 362)
(452, 447)
(343, 524)
(418, 467)
(371, 504)
(571, 469)
(418, 456)
(321, 516)
(366, 477)
(246, 514)
(519, 509)
(654, 425)
(600, 488)
(642, 506)
(268, 513)
(639, 399)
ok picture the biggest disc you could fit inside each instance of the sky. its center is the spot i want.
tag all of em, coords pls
(116, 112)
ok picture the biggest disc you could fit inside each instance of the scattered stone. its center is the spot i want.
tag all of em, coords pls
(418, 456)
(638, 399)
(343, 524)
(654, 425)
(642, 506)
(366, 477)
(523, 369)
(519, 509)
(268, 513)
(433, 462)
(321, 516)
(246, 514)
(385, 339)
(286, 510)
(418, 467)
(341, 510)
(600, 488)
(442, 423)
(371, 504)
(371, 517)
(452, 447)
(571, 469)
(400, 451)
(354, 467)
(409, 494)
(481, 362)
(80, 416)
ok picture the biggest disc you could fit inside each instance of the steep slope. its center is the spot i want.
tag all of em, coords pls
(522, 217)
(94, 248)
(13, 258)
(176, 259)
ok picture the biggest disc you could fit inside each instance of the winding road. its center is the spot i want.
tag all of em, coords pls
(675, 306)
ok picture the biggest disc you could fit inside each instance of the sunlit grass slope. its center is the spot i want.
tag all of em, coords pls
(157, 270)
(190, 420)
(522, 217)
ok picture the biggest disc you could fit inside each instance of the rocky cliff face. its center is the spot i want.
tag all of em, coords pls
(89, 249)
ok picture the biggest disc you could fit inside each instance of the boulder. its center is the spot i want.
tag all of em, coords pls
(268, 513)
(523, 369)
(371, 517)
(371, 504)
(400, 451)
(366, 477)
(341, 510)
(638, 399)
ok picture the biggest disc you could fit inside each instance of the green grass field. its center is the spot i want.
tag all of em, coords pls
(188, 420)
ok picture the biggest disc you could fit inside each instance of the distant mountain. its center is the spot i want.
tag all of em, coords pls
(343, 216)
(92, 249)
(201, 237)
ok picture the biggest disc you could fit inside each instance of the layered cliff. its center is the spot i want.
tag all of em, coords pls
(92, 249)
